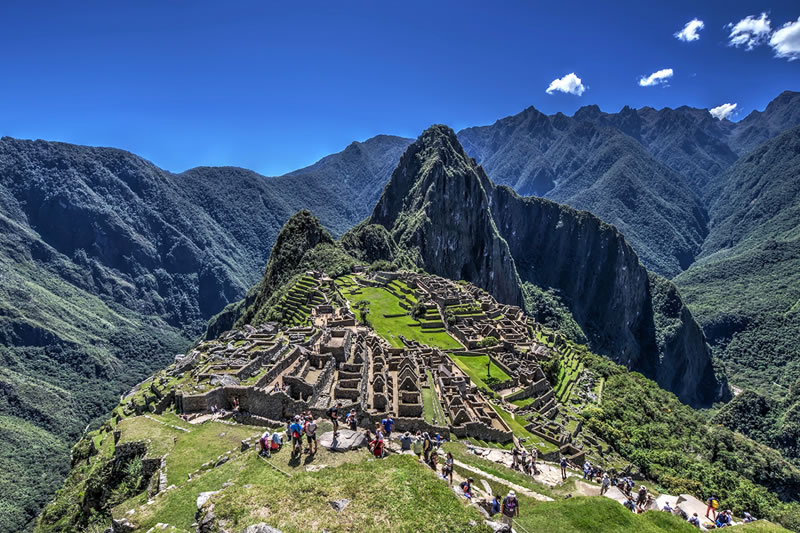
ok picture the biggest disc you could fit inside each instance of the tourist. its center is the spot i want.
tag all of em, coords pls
(510, 508)
(333, 414)
(747, 517)
(418, 444)
(724, 519)
(352, 420)
(438, 441)
(605, 484)
(277, 387)
(236, 404)
(405, 442)
(377, 447)
(515, 458)
(310, 430)
(495, 506)
(534, 456)
(466, 487)
(712, 506)
(523, 457)
(563, 464)
(434, 460)
(695, 520)
(276, 443)
(447, 469)
(388, 425)
(641, 500)
(667, 508)
(587, 468)
(378, 431)
(263, 444)
(296, 431)
(629, 504)
(426, 446)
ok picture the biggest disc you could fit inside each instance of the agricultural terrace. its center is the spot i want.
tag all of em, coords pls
(389, 315)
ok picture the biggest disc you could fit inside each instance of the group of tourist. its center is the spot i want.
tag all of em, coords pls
(524, 460)
(302, 425)
(280, 388)
(425, 446)
(509, 507)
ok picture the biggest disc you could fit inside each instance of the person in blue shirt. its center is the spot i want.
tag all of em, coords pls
(388, 425)
(495, 506)
(296, 432)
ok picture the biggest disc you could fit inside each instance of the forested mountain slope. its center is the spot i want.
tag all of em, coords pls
(745, 289)
(110, 266)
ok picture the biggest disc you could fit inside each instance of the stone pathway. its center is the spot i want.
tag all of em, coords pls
(518, 488)
(165, 424)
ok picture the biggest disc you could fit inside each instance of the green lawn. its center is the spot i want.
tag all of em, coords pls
(518, 428)
(475, 367)
(391, 494)
(432, 406)
(381, 303)
(524, 402)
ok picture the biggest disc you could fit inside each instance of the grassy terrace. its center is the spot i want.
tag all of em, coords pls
(384, 308)
(475, 367)
(517, 426)
(393, 493)
(296, 306)
(432, 406)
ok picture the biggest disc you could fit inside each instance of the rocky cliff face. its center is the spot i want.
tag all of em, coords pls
(441, 208)
(437, 205)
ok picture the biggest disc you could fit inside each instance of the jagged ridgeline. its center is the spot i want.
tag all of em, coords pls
(443, 356)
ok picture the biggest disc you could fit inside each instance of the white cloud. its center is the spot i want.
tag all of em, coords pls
(749, 31)
(568, 84)
(691, 31)
(786, 41)
(722, 111)
(656, 78)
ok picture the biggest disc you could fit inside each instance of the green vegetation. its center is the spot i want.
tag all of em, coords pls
(475, 366)
(390, 320)
(775, 422)
(673, 445)
(744, 291)
(434, 414)
(488, 342)
(547, 309)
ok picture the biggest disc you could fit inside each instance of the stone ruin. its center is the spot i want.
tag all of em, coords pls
(274, 371)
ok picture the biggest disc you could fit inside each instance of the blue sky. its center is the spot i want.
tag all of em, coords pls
(274, 87)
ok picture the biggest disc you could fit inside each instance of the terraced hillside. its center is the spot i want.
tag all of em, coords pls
(180, 452)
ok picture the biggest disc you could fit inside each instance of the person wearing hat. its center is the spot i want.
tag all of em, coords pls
(426, 446)
(296, 432)
(405, 442)
(605, 483)
(641, 501)
(510, 508)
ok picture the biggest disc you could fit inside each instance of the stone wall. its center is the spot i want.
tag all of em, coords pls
(480, 431)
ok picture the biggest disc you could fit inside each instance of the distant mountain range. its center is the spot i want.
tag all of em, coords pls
(110, 265)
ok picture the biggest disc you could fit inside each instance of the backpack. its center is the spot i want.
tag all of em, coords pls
(714, 503)
(330, 411)
(509, 506)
